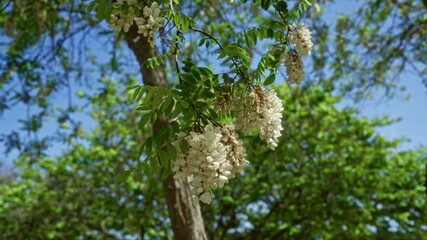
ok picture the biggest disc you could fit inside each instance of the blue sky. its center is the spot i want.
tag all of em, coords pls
(409, 106)
(412, 111)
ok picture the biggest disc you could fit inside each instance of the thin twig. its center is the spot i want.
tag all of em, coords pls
(5, 6)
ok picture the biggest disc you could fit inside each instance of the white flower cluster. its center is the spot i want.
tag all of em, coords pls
(235, 150)
(301, 37)
(150, 22)
(215, 155)
(271, 125)
(294, 67)
(261, 109)
(120, 20)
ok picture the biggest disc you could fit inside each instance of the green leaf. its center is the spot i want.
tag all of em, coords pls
(149, 145)
(282, 6)
(168, 110)
(136, 92)
(183, 145)
(146, 169)
(108, 10)
(265, 4)
(205, 71)
(166, 172)
(100, 12)
(166, 104)
(138, 172)
(213, 113)
(147, 98)
(172, 152)
(270, 79)
(154, 166)
(186, 69)
(144, 120)
(188, 62)
(141, 150)
(164, 159)
(227, 79)
(157, 61)
(154, 117)
(188, 115)
(175, 126)
(90, 7)
(185, 104)
(122, 176)
(132, 87)
(157, 98)
(176, 110)
(140, 94)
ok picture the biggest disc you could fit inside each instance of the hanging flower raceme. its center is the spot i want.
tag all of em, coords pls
(224, 102)
(301, 37)
(150, 22)
(294, 67)
(122, 20)
(261, 109)
(271, 124)
(235, 151)
(215, 155)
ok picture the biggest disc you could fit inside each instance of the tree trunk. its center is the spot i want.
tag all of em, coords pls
(184, 212)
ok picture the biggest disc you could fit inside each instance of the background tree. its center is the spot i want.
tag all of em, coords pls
(185, 214)
(75, 195)
(60, 39)
(330, 178)
(366, 51)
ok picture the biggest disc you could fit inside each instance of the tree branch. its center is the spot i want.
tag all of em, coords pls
(185, 214)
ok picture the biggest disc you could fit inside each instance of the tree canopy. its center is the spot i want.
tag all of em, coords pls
(208, 69)
(330, 178)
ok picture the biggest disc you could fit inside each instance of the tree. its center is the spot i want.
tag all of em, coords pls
(367, 50)
(327, 180)
(75, 195)
(197, 89)
(191, 98)
(330, 178)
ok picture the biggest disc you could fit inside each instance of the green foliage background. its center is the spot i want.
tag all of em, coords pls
(332, 177)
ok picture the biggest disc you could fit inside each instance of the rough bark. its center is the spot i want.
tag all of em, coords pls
(185, 214)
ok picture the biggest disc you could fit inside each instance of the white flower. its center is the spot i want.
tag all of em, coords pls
(294, 67)
(120, 20)
(235, 151)
(205, 162)
(301, 37)
(248, 112)
(205, 197)
(261, 109)
(132, 2)
(271, 124)
(215, 155)
(150, 22)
